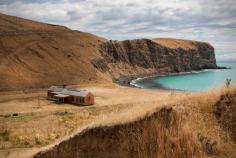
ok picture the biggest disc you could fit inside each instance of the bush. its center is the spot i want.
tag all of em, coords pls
(63, 113)
(4, 135)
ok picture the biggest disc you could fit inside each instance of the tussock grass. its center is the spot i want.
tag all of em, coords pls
(121, 106)
(4, 135)
(187, 127)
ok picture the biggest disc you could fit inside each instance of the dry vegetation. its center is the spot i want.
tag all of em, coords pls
(37, 126)
(35, 55)
(127, 121)
(188, 128)
(175, 43)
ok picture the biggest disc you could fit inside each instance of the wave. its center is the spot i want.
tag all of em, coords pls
(135, 84)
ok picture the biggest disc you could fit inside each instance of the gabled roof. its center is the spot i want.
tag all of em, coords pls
(56, 88)
(68, 91)
(61, 96)
(75, 92)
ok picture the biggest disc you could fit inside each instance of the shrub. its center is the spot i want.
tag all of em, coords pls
(4, 135)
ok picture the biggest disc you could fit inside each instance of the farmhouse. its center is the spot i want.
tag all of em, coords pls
(61, 94)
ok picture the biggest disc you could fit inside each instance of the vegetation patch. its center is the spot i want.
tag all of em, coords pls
(38, 139)
(22, 117)
(4, 135)
(63, 113)
(225, 112)
(23, 141)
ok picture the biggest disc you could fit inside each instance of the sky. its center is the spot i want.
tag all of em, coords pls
(212, 21)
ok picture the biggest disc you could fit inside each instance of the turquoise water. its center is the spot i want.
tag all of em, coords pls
(195, 81)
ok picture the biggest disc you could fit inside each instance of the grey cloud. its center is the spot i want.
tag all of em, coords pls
(213, 20)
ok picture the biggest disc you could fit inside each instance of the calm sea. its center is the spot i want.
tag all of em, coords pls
(194, 81)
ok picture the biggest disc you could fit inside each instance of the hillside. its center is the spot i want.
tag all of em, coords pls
(188, 129)
(36, 55)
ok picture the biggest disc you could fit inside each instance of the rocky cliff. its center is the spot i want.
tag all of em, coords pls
(144, 56)
(35, 55)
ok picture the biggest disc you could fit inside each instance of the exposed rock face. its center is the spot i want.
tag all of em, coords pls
(143, 56)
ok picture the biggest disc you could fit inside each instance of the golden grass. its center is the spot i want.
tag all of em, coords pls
(175, 43)
(189, 129)
(114, 105)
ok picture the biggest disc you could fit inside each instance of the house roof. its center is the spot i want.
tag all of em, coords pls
(75, 92)
(61, 96)
(68, 91)
(56, 88)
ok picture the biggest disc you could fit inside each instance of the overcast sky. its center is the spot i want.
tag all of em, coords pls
(213, 21)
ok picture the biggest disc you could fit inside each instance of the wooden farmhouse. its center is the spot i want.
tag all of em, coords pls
(62, 94)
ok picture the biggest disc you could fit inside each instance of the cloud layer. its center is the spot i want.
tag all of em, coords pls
(213, 21)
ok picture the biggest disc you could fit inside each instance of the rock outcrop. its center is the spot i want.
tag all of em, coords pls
(144, 56)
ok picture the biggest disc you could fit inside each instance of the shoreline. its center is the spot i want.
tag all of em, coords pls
(131, 81)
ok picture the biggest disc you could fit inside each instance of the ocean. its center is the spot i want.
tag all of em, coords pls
(195, 81)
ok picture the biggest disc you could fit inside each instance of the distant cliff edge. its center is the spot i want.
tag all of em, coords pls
(145, 56)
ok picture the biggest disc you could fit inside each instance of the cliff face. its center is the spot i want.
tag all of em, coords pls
(143, 56)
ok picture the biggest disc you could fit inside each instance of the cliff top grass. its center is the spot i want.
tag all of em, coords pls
(176, 43)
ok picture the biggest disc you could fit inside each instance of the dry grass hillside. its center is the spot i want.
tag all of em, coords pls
(187, 129)
(225, 111)
(176, 43)
(124, 121)
(34, 54)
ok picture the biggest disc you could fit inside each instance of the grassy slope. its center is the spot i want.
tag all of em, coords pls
(176, 43)
(34, 54)
(188, 129)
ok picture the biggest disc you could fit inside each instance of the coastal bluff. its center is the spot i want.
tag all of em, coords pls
(37, 55)
(146, 56)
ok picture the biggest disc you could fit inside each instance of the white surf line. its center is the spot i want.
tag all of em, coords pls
(134, 82)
